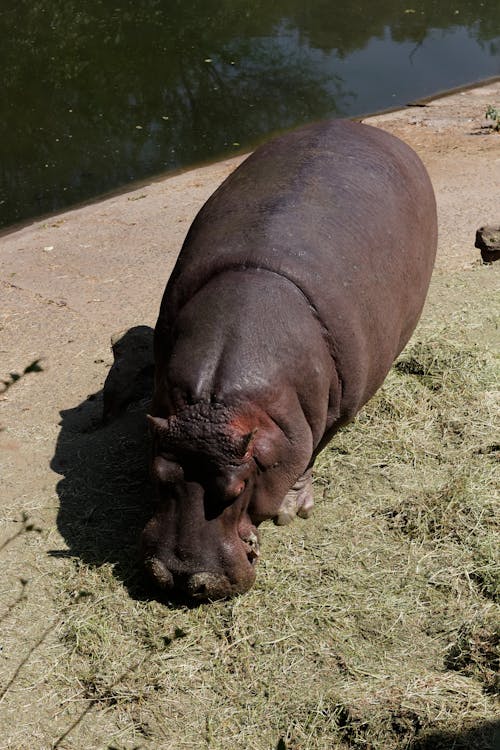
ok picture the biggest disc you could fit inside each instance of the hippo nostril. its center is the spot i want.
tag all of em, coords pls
(201, 592)
(159, 572)
(208, 586)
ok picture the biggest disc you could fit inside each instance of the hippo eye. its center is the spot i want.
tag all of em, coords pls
(231, 489)
(237, 489)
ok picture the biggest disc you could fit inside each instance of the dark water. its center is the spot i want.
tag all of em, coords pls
(98, 93)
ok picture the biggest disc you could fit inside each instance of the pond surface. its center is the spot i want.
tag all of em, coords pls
(100, 93)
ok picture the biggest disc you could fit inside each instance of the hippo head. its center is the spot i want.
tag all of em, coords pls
(217, 475)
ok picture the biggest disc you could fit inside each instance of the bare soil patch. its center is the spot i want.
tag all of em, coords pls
(372, 625)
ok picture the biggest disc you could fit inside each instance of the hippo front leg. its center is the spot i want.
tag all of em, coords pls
(298, 501)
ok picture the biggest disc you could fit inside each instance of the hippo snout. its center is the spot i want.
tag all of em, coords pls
(222, 566)
(208, 586)
(201, 586)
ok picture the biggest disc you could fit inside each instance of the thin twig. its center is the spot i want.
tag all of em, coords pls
(94, 700)
(26, 658)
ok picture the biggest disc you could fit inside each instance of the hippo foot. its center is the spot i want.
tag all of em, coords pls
(298, 501)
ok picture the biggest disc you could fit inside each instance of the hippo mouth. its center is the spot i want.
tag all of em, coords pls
(228, 572)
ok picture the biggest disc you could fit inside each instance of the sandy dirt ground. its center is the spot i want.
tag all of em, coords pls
(67, 283)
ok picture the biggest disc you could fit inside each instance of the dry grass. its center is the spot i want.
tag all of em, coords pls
(374, 625)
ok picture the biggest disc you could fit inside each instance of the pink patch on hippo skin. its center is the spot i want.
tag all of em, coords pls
(235, 488)
(244, 424)
(298, 501)
(265, 439)
(229, 488)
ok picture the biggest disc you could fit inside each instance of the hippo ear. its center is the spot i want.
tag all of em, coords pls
(246, 446)
(157, 424)
(263, 443)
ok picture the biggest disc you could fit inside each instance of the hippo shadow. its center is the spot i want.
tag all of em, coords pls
(104, 490)
(485, 736)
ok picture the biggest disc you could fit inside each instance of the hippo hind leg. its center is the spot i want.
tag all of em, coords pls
(298, 501)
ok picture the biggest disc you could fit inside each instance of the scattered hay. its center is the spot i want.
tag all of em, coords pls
(372, 626)
(476, 653)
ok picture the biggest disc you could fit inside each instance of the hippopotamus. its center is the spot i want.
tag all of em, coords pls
(299, 282)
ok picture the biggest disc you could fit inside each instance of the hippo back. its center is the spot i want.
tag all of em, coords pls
(347, 213)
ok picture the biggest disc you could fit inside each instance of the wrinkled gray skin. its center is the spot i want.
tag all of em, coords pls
(300, 281)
